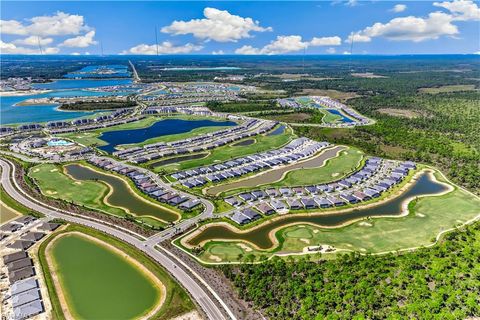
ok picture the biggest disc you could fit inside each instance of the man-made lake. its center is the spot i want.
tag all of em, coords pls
(424, 185)
(159, 128)
(121, 194)
(179, 159)
(11, 113)
(338, 113)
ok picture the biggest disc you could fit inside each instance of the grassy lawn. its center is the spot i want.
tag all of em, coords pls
(177, 301)
(224, 153)
(428, 217)
(88, 193)
(329, 117)
(334, 169)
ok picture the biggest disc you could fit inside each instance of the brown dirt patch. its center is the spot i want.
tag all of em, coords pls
(404, 113)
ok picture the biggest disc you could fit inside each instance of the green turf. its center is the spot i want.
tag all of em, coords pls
(225, 153)
(329, 117)
(428, 217)
(99, 283)
(334, 169)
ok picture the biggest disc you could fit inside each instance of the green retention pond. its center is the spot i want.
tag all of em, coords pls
(98, 283)
(424, 185)
(121, 194)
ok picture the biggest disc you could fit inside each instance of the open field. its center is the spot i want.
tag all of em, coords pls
(7, 213)
(104, 292)
(334, 94)
(447, 89)
(227, 152)
(53, 182)
(367, 75)
(404, 113)
(428, 216)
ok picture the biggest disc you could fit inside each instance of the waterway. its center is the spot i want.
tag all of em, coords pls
(101, 72)
(121, 194)
(424, 185)
(277, 174)
(158, 129)
(344, 118)
(178, 159)
(277, 131)
(11, 112)
(244, 143)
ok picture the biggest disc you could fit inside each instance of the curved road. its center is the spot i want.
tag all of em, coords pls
(170, 263)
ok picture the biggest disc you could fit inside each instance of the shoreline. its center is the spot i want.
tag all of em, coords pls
(63, 296)
(20, 93)
(404, 212)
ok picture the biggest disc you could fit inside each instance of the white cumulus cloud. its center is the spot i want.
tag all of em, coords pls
(58, 24)
(461, 10)
(165, 47)
(286, 44)
(331, 50)
(11, 48)
(399, 8)
(80, 41)
(409, 28)
(33, 41)
(218, 25)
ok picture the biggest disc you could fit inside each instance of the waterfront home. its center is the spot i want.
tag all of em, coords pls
(239, 218)
(278, 205)
(190, 204)
(21, 274)
(19, 264)
(251, 214)
(323, 202)
(295, 204)
(349, 198)
(246, 196)
(336, 201)
(272, 192)
(265, 208)
(28, 310)
(309, 203)
(14, 256)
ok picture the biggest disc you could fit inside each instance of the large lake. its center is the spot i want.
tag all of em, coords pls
(11, 113)
(159, 128)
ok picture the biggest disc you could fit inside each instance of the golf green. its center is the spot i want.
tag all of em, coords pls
(99, 283)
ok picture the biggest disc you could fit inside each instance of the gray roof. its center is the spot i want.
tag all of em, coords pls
(24, 285)
(14, 256)
(21, 244)
(48, 226)
(26, 297)
(28, 310)
(20, 274)
(19, 264)
(33, 236)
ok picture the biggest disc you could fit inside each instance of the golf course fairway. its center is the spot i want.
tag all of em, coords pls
(98, 281)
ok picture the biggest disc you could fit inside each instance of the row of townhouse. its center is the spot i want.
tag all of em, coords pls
(373, 179)
(146, 184)
(294, 151)
(249, 128)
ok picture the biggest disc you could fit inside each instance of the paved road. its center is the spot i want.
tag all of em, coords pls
(167, 261)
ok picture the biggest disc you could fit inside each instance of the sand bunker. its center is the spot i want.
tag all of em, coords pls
(305, 240)
(365, 224)
(53, 170)
(50, 192)
(245, 247)
(214, 258)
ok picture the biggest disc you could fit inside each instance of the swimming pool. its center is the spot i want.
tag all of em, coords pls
(59, 143)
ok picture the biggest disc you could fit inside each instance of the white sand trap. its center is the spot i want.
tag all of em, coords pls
(214, 258)
(305, 240)
(365, 224)
(78, 182)
(36, 170)
(363, 249)
(244, 247)
(421, 215)
(335, 174)
(53, 170)
(316, 231)
(50, 192)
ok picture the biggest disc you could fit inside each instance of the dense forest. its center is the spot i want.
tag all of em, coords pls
(87, 105)
(442, 282)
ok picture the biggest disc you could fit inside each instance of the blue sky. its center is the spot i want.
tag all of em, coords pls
(377, 27)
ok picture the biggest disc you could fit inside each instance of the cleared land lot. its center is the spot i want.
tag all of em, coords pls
(114, 197)
(334, 94)
(427, 217)
(104, 278)
(7, 213)
(451, 88)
